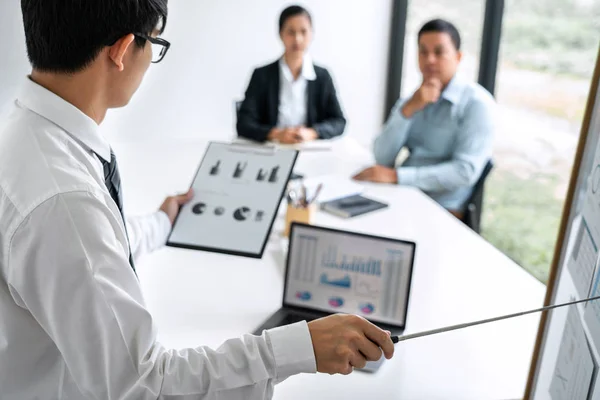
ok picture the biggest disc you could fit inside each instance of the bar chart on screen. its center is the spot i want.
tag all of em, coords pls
(373, 277)
(306, 254)
(391, 279)
(334, 259)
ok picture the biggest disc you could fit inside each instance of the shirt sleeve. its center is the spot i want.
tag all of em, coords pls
(147, 233)
(473, 148)
(393, 137)
(79, 287)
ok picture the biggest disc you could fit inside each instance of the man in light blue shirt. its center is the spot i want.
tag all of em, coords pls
(447, 125)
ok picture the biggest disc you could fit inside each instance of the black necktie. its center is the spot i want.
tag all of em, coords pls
(112, 179)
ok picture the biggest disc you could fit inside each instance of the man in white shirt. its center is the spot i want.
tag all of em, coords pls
(73, 323)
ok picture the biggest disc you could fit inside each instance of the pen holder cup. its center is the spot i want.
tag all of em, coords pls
(305, 215)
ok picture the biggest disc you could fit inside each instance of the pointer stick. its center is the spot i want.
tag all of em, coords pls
(402, 338)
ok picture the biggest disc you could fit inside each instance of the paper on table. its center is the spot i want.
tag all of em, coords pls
(334, 187)
(575, 367)
(315, 145)
(592, 311)
(583, 259)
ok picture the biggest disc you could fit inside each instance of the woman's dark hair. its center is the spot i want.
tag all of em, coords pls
(65, 36)
(292, 11)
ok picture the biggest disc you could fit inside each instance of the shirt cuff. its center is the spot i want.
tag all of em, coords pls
(292, 349)
(399, 111)
(164, 225)
(407, 176)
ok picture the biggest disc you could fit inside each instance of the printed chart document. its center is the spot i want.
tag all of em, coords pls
(575, 367)
(592, 311)
(591, 206)
(583, 259)
(237, 191)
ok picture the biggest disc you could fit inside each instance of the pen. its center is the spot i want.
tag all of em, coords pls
(396, 339)
(317, 192)
(303, 196)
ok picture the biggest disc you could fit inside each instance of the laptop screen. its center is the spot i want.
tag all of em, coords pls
(337, 271)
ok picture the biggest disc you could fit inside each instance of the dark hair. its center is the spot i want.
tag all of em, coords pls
(440, 25)
(65, 36)
(292, 11)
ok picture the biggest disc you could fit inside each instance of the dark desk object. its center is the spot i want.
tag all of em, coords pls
(472, 217)
(352, 206)
(296, 176)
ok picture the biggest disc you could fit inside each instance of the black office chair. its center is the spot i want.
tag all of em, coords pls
(472, 217)
(237, 105)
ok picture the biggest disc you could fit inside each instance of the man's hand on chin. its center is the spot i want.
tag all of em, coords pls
(379, 174)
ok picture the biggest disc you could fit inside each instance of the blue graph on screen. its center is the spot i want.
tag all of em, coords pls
(344, 282)
(376, 275)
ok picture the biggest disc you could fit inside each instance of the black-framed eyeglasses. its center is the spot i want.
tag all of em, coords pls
(160, 47)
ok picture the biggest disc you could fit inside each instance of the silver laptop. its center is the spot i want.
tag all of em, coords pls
(331, 271)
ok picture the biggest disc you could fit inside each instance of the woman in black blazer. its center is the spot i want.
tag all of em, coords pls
(291, 100)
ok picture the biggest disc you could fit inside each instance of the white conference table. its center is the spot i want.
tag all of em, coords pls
(202, 298)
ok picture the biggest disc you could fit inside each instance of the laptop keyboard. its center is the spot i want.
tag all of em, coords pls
(293, 318)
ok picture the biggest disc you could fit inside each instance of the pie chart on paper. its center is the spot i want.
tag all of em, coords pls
(199, 208)
(241, 214)
(219, 211)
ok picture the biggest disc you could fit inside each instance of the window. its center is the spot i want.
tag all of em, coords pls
(466, 15)
(546, 61)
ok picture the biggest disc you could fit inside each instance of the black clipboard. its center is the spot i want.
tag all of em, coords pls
(258, 178)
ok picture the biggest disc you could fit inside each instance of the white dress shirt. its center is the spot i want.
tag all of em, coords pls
(73, 323)
(293, 95)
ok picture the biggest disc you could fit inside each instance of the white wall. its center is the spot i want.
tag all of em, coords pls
(215, 46)
(13, 55)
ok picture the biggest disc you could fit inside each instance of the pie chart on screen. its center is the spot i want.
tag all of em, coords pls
(367, 308)
(241, 214)
(304, 296)
(336, 302)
